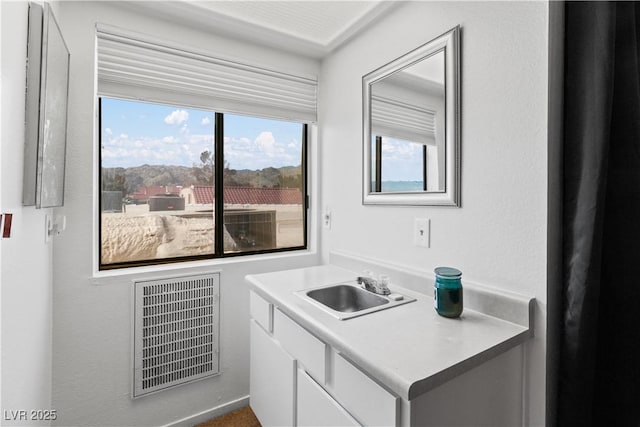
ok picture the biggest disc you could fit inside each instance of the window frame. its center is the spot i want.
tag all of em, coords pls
(218, 189)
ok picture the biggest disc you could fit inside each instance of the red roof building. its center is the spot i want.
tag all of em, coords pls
(203, 195)
(142, 194)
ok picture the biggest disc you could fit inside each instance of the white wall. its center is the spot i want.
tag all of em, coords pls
(25, 265)
(92, 326)
(498, 237)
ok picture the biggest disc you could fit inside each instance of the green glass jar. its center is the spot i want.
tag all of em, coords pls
(448, 292)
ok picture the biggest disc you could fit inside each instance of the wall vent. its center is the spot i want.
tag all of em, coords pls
(176, 331)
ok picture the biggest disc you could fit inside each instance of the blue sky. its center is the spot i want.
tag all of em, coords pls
(136, 133)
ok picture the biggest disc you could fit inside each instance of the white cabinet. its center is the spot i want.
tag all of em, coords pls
(310, 369)
(272, 380)
(297, 379)
(317, 408)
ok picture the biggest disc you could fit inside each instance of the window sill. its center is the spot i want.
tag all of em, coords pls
(192, 267)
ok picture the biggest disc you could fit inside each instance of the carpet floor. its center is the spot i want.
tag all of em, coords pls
(243, 417)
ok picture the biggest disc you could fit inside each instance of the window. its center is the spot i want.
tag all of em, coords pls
(398, 165)
(181, 183)
(180, 177)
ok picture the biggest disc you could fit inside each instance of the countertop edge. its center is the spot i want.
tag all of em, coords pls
(427, 384)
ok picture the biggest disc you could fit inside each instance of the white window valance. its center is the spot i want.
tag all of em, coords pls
(395, 119)
(133, 66)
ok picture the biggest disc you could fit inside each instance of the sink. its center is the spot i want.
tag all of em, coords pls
(348, 300)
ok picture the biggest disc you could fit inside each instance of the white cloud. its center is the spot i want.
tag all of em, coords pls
(266, 141)
(263, 151)
(205, 121)
(201, 139)
(108, 131)
(177, 117)
(394, 148)
(184, 149)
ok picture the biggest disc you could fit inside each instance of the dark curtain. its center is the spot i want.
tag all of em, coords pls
(598, 359)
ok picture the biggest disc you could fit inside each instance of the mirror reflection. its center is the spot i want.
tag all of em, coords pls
(407, 128)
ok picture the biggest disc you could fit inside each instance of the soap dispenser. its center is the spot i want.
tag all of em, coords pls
(448, 292)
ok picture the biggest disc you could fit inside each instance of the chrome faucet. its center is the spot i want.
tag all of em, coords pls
(372, 285)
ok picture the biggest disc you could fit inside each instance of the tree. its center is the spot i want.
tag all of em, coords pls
(204, 173)
(230, 176)
(114, 180)
(290, 181)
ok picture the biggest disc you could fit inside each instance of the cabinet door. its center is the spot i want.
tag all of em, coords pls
(371, 404)
(272, 380)
(317, 408)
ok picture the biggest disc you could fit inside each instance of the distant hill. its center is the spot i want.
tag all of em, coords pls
(288, 176)
(128, 180)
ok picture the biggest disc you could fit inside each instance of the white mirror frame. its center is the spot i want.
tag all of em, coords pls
(450, 43)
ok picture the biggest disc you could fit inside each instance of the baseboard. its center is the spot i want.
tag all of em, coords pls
(203, 416)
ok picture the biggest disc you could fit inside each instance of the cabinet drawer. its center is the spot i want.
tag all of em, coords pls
(307, 349)
(366, 400)
(317, 408)
(261, 311)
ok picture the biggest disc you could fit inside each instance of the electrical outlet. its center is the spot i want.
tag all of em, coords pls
(326, 219)
(54, 226)
(422, 232)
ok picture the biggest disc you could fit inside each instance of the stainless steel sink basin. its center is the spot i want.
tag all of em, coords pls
(348, 300)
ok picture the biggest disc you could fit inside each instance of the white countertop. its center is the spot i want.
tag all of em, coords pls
(409, 348)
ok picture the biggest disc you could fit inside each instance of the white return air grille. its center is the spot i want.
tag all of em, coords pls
(176, 331)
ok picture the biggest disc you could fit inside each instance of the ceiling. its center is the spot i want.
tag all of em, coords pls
(309, 27)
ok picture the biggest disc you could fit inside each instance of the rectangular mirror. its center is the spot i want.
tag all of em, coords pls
(46, 110)
(411, 121)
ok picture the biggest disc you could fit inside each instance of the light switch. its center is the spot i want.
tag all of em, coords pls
(422, 232)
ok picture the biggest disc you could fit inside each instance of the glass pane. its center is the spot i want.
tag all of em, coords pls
(263, 183)
(156, 181)
(403, 166)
